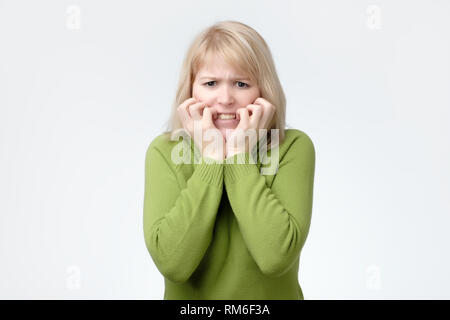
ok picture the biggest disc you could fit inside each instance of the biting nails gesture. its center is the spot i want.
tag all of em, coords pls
(262, 112)
(196, 115)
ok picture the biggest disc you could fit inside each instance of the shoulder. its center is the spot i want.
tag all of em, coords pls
(297, 147)
(296, 137)
(167, 145)
(162, 144)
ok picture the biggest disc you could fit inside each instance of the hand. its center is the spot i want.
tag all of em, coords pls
(262, 112)
(196, 115)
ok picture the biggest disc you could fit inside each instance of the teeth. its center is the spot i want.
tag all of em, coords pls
(224, 116)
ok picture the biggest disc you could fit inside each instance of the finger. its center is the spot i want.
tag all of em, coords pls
(261, 101)
(183, 108)
(214, 113)
(268, 115)
(268, 111)
(243, 116)
(257, 112)
(195, 109)
(207, 117)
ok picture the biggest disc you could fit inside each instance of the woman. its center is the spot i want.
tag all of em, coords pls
(218, 229)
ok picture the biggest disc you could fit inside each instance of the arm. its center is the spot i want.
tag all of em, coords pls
(178, 223)
(275, 220)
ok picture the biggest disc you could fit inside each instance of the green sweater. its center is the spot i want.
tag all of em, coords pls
(225, 231)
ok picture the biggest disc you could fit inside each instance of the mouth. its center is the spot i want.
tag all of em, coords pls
(225, 116)
(229, 116)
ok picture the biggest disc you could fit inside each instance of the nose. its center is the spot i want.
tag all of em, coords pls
(225, 96)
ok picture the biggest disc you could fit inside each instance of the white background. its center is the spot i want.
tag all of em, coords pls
(86, 85)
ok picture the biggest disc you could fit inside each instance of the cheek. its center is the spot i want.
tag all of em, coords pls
(256, 94)
(194, 92)
(252, 96)
(201, 95)
(197, 93)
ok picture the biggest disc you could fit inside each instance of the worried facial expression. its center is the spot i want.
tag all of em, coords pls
(220, 85)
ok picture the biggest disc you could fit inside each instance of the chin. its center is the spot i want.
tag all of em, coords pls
(224, 130)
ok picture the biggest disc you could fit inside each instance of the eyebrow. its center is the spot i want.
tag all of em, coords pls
(215, 78)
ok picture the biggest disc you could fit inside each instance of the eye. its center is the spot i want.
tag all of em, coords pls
(206, 83)
(246, 85)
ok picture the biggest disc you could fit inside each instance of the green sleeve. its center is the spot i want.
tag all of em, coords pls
(179, 223)
(274, 221)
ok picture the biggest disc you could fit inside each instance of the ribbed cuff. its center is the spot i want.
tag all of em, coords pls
(239, 166)
(209, 171)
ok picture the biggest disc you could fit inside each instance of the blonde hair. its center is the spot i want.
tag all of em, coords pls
(242, 47)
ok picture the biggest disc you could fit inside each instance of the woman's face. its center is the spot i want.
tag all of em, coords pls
(219, 85)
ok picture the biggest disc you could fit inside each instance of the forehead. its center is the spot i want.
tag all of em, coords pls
(215, 65)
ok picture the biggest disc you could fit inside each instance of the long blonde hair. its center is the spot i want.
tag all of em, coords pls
(241, 46)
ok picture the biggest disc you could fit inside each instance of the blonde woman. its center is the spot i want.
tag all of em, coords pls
(219, 228)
